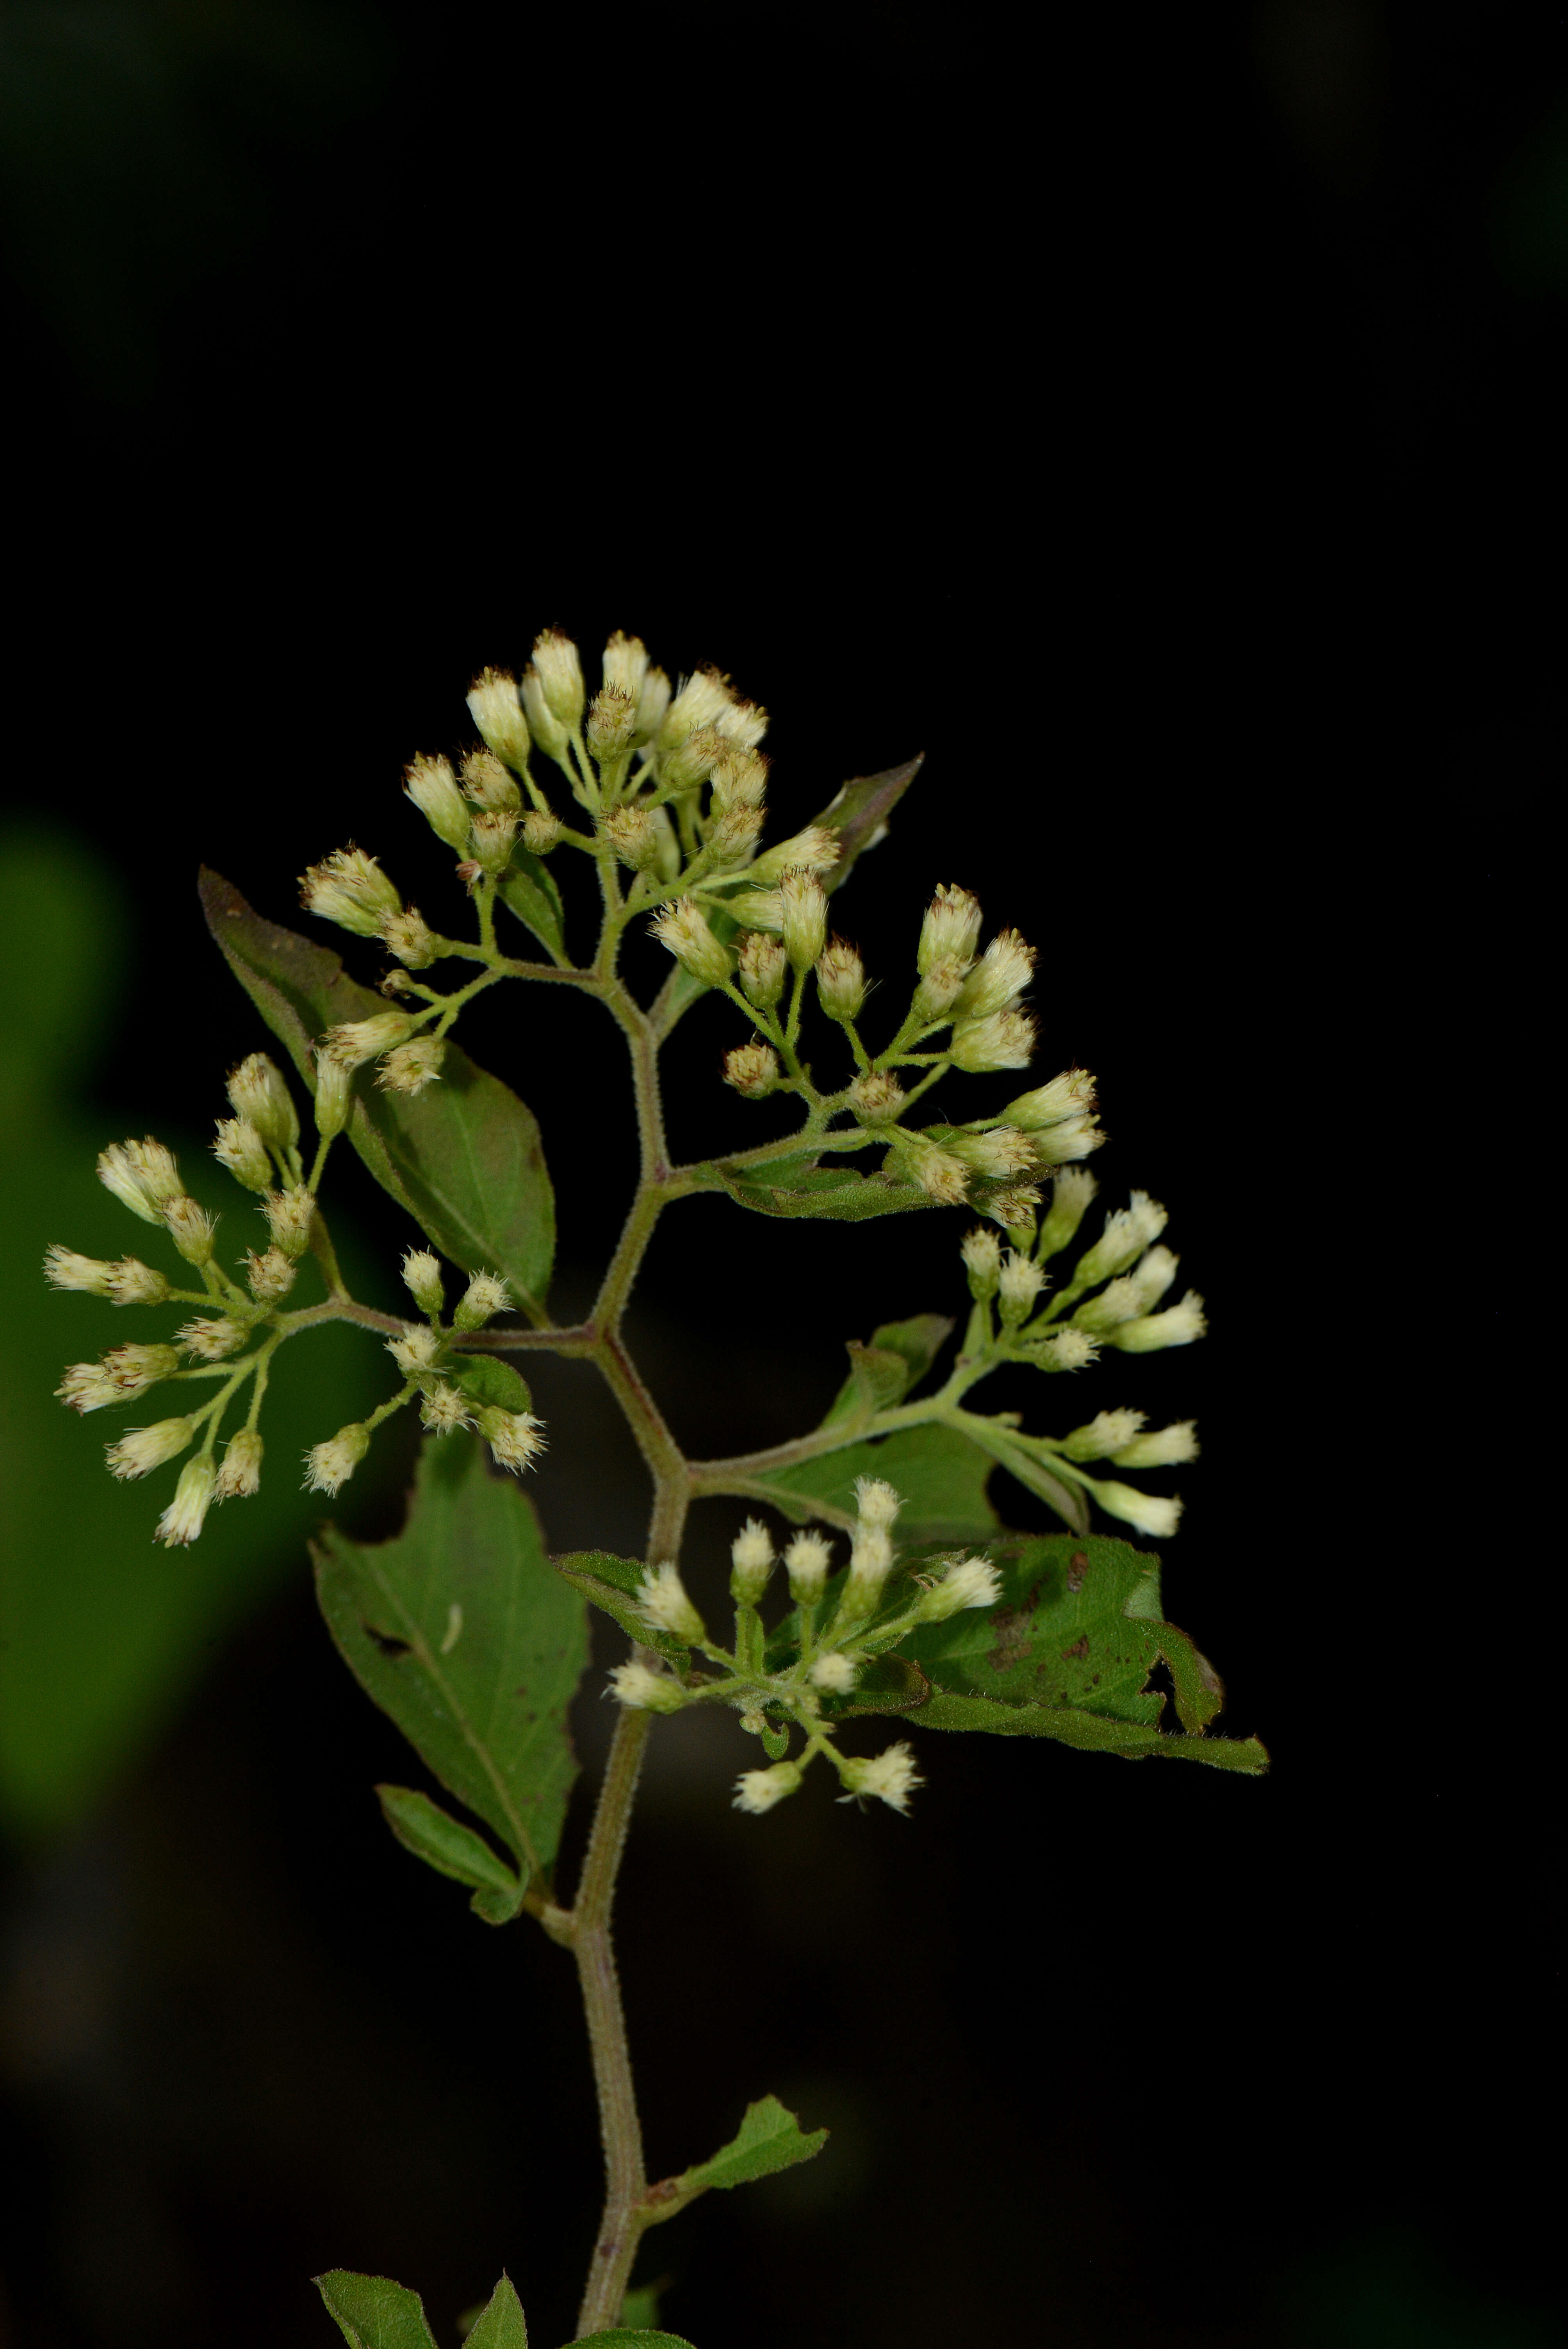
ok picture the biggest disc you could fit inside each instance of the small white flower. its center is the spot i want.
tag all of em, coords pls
(625, 662)
(1162, 1447)
(1071, 1192)
(753, 1070)
(612, 723)
(240, 1149)
(408, 935)
(1002, 1151)
(1107, 1432)
(409, 1068)
(807, 1561)
(422, 1278)
(982, 1254)
(1147, 1511)
(890, 1776)
(186, 1515)
(763, 967)
(876, 1098)
(290, 1216)
(259, 1093)
(212, 1339)
(353, 1042)
(840, 980)
(190, 1228)
(663, 1604)
(416, 1349)
(939, 1175)
(683, 927)
(998, 978)
(560, 675)
(516, 1438)
(329, 1466)
(444, 1409)
(143, 1176)
(645, 1691)
(496, 711)
(64, 1268)
(486, 1295)
(486, 783)
(701, 701)
(631, 833)
(1178, 1325)
(758, 1790)
(124, 1372)
(1127, 1232)
(751, 1561)
(140, 1450)
(241, 1474)
(803, 920)
(1020, 1284)
(951, 930)
(815, 850)
(1069, 1349)
(834, 1673)
(876, 1502)
(969, 1582)
(1070, 1095)
(1005, 1040)
(268, 1275)
(131, 1282)
(433, 788)
(349, 888)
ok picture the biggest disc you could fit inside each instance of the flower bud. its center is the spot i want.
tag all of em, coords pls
(416, 1349)
(1072, 1193)
(143, 1176)
(645, 1691)
(1150, 1511)
(994, 1154)
(487, 784)
(334, 1094)
(1074, 1137)
(290, 1216)
(804, 918)
(739, 777)
(1069, 1095)
(124, 1372)
(444, 1409)
(541, 831)
(212, 1339)
(544, 726)
(1069, 1349)
(240, 1149)
(184, 1520)
(407, 935)
(329, 1466)
(143, 1449)
(1178, 1325)
(1005, 1040)
(612, 723)
(625, 664)
(131, 1282)
(1127, 1232)
(759, 1790)
(998, 978)
(692, 761)
(422, 1278)
(486, 1295)
(258, 1093)
(939, 991)
(969, 1582)
(652, 701)
(752, 1562)
(664, 1605)
(834, 1674)
(744, 722)
(840, 981)
(353, 1042)
(982, 1254)
(64, 1268)
(632, 833)
(1161, 1447)
(496, 708)
(939, 1175)
(1019, 1286)
(733, 835)
(806, 1562)
(701, 699)
(411, 1067)
(190, 1229)
(951, 930)
(876, 1098)
(683, 927)
(871, 1562)
(1013, 1208)
(494, 834)
(239, 1478)
(433, 788)
(815, 850)
(268, 1276)
(1134, 1293)
(752, 1069)
(515, 1437)
(763, 963)
(1107, 1432)
(348, 887)
(560, 675)
(890, 1776)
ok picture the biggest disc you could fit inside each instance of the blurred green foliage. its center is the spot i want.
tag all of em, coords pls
(103, 1631)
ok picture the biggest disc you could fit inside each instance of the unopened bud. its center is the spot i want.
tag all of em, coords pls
(1148, 1512)
(259, 1093)
(328, 1466)
(1000, 976)
(241, 1474)
(184, 1520)
(996, 1154)
(411, 1067)
(970, 1582)
(1180, 1325)
(982, 1252)
(487, 784)
(541, 831)
(840, 981)
(560, 674)
(753, 1070)
(612, 723)
(348, 887)
(939, 991)
(240, 1149)
(763, 965)
(212, 1337)
(751, 1562)
(1161, 1447)
(1107, 1432)
(143, 1449)
(334, 1094)
(645, 1691)
(1072, 1094)
(268, 1275)
(939, 1175)
(733, 834)
(815, 850)
(433, 788)
(353, 1042)
(739, 777)
(190, 1229)
(1072, 1193)
(806, 1562)
(691, 762)
(834, 1674)
(632, 833)
(804, 918)
(951, 930)
(494, 834)
(652, 701)
(486, 1295)
(496, 708)
(876, 1098)
(422, 1280)
(290, 1216)
(664, 1605)
(143, 1176)
(1127, 1232)
(408, 937)
(892, 1778)
(683, 927)
(1020, 1283)
(701, 699)
(759, 1790)
(625, 664)
(544, 726)
(1004, 1041)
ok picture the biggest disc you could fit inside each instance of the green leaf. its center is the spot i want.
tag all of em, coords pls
(528, 889)
(859, 813)
(610, 1583)
(460, 1632)
(881, 1374)
(1068, 1652)
(621, 2336)
(770, 2138)
(641, 2305)
(463, 1157)
(373, 2313)
(941, 1474)
(422, 1828)
(486, 1379)
(502, 2325)
(891, 1683)
(799, 1187)
(1022, 1460)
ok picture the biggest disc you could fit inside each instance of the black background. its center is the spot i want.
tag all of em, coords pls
(1142, 415)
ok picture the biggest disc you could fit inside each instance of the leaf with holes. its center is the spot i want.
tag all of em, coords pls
(463, 1157)
(458, 1629)
(373, 2313)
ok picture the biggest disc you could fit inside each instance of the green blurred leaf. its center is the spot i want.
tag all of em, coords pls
(502, 2325)
(528, 888)
(373, 2313)
(941, 1474)
(800, 1187)
(641, 2305)
(1091, 1732)
(485, 1378)
(881, 1374)
(621, 2336)
(422, 1828)
(1021, 1460)
(460, 1632)
(770, 2138)
(463, 1157)
(609, 1582)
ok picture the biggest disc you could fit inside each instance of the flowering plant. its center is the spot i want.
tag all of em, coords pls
(906, 1595)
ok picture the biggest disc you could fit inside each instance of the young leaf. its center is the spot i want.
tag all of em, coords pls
(485, 1378)
(460, 1632)
(373, 2313)
(799, 1187)
(610, 1583)
(881, 1374)
(621, 2336)
(501, 2325)
(422, 1828)
(1069, 1502)
(1090, 1733)
(770, 2138)
(528, 889)
(941, 1474)
(463, 1157)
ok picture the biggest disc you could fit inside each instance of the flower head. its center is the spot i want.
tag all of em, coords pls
(759, 1790)
(239, 1147)
(663, 1604)
(969, 1582)
(329, 1466)
(142, 1176)
(497, 710)
(834, 1674)
(890, 1776)
(140, 1450)
(433, 788)
(486, 1295)
(516, 1438)
(1003, 1040)
(186, 1515)
(643, 1690)
(806, 1562)
(240, 1477)
(349, 888)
